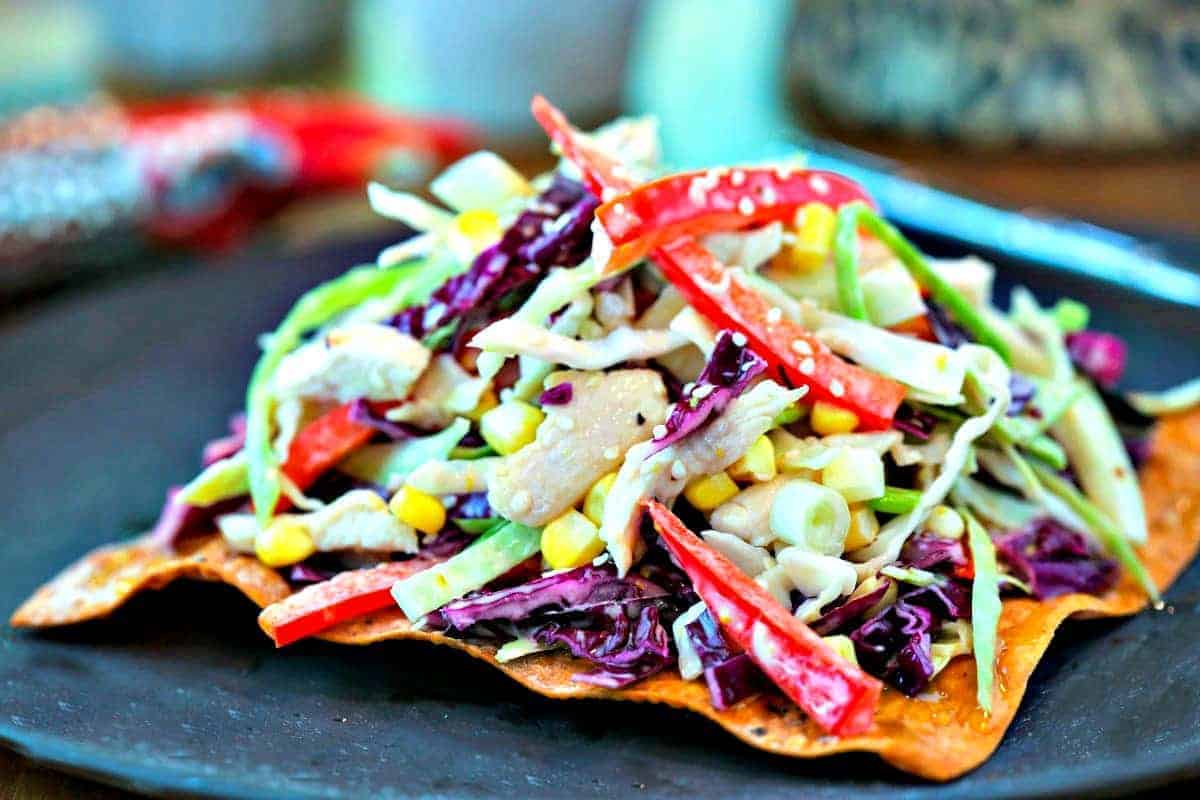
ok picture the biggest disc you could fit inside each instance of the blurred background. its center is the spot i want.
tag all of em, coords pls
(135, 128)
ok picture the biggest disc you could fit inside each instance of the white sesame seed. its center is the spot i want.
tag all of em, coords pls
(739, 338)
(767, 195)
(688, 387)
(808, 366)
(737, 178)
(802, 347)
(746, 206)
(608, 193)
(819, 184)
(783, 172)
(611, 453)
(703, 391)
(660, 431)
(836, 388)
(774, 315)
(696, 192)
(619, 209)
(678, 470)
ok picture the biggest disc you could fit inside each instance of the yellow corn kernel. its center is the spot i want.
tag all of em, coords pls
(756, 464)
(815, 224)
(593, 504)
(284, 541)
(945, 522)
(487, 401)
(843, 647)
(864, 527)
(418, 510)
(571, 540)
(709, 492)
(471, 231)
(828, 419)
(510, 426)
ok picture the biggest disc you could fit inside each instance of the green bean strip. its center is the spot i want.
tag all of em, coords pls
(1108, 533)
(985, 608)
(896, 500)
(845, 260)
(315, 308)
(941, 291)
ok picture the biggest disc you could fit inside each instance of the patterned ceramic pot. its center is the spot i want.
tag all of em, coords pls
(1057, 73)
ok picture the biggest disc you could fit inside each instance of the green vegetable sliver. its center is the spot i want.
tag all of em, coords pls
(315, 307)
(487, 559)
(896, 500)
(1113, 539)
(845, 260)
(985, 608)
(941, 291)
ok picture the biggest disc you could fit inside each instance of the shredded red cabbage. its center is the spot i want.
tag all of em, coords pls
(469, 506)
(303, 573)
(730, 675)
(916, 423)
(1100, 356)
(1055, 560)
(554, 230)
(579, 590)
(895, 645)
(926, 551)
(1022, 391)
(178, 519)
(557, 395)
(627, 648)
(227, 446)
(728, 372)
(839, 618)
(945, 329)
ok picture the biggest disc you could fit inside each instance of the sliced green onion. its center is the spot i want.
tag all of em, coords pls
(912, 575)
(1113, 539)
(472, 453)
(1021, 432)
(1071, 315)
(786, 417)
(435, 339)
(985, 608)
(939, 289)
(896, 500)
(315, 308)
(481, 563)
(845, 260)
(813, 516)
(478, 527)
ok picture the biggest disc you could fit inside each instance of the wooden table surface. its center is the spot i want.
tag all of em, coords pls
(1143, 192)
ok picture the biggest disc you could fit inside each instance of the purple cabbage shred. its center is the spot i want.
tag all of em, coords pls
(557, 395)
(730, 369)
(360, 412)
(227, 446)
(1100, 356)
(1055, 560)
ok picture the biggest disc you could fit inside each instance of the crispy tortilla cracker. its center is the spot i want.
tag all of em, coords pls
(940, 736)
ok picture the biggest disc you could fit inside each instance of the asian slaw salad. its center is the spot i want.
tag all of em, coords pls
(728, 422)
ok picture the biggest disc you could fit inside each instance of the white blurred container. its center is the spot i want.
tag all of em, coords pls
(485, 60)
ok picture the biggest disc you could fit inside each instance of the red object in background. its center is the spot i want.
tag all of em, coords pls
(215, 165)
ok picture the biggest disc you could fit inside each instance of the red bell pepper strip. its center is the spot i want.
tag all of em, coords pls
(322, 443)
(721, 295)
(702, 202)
(839, 696)
(345, 596)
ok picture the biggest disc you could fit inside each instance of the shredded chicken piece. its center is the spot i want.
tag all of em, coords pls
(455, 476)
(578, 443)
(822, 579)
(512, 336)
(429, 406)
(664, 474)
(749, 559)
(358, 520)
(748, 513)
(366, 359)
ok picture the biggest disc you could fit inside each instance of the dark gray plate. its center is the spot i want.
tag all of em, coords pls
(106, 400)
